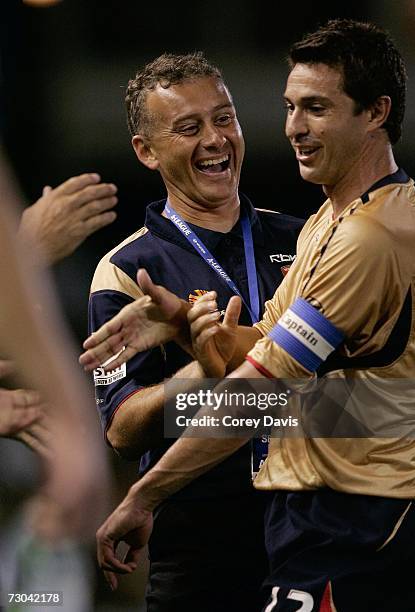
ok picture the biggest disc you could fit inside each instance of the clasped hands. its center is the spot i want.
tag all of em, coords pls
(159, 316)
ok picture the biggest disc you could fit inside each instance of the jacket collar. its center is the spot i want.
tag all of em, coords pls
(162, 227)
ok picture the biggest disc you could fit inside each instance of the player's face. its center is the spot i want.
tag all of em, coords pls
(327, 134)
(197, 141)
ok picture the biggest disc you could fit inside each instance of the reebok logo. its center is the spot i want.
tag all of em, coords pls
(282, 258)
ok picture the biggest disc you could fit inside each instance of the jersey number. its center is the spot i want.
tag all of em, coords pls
(305, 598)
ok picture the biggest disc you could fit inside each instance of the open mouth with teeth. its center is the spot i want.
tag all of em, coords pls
(305, 152)
(214, 166)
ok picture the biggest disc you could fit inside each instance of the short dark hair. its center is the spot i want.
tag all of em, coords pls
(371, 64)
(166, 70)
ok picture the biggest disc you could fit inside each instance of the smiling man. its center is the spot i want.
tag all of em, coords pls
(204, 236)
(340, 523)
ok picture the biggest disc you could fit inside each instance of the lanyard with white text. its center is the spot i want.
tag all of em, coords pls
(194, 240)
(259, 447)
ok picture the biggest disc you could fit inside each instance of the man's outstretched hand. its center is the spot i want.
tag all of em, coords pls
(153, 319)
(63, 217)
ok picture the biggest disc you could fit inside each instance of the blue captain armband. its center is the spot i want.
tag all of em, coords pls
(305, 334)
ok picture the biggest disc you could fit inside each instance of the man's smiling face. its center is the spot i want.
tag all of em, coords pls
(196, 140)
(322, 124)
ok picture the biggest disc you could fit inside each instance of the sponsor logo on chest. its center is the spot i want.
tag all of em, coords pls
(101, 377)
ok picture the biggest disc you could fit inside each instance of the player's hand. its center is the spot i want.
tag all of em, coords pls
(213, 342)
(129, 523)
(20, 409)
(63, 217)
(153, 319)
(22, 415)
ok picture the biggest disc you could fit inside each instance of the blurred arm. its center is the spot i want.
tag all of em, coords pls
(34, 336)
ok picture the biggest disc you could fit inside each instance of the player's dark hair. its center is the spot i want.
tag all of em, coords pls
(166, 70)
(371, 65)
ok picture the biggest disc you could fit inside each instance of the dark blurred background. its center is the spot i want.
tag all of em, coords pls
(63, 73)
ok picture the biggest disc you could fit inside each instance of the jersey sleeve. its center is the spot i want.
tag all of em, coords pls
(350, 299)
(272, 311)
(111, 290)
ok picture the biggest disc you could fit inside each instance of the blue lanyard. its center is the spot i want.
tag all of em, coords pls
(197, 244)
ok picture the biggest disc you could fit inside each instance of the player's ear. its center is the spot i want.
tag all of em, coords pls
(144, 151)
(379, 112)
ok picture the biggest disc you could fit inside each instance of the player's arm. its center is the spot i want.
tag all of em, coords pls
(186, 460)
(189, 457)
(137, 425)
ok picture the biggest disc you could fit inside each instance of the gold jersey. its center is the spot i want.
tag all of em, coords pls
(358, 271)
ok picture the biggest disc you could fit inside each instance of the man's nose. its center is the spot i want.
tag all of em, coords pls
(212, 136)
(296, 124)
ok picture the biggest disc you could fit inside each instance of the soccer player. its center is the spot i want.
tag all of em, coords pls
(205, 236)
(339, 526)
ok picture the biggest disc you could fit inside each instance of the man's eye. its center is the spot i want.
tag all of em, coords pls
(224, 119)
(289, 107)
(188, 129)
(317, 109)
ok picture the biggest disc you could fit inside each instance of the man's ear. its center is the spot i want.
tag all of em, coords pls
(379, 112)
(144, 152)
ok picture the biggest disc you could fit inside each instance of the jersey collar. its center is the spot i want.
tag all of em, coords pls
(399, 176)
